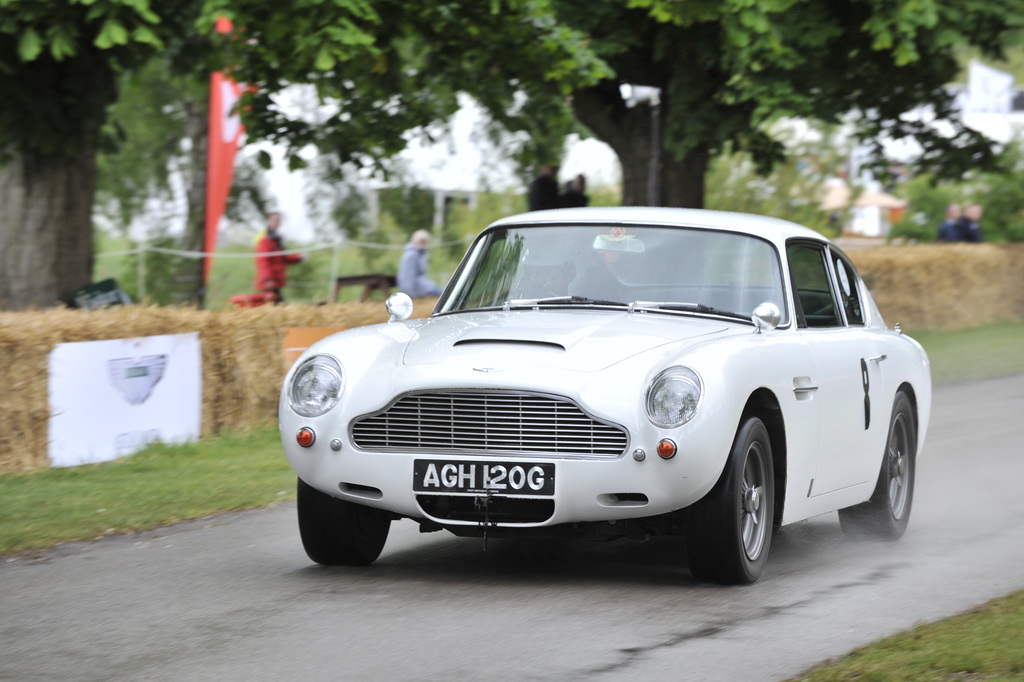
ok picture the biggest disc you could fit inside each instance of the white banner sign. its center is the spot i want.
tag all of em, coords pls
(110, 399)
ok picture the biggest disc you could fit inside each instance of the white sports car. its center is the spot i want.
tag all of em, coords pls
(606, 373)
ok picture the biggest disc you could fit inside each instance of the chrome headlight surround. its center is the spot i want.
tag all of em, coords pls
(674, 396)
(316, 386)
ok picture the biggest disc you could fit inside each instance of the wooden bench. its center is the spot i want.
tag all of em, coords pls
(370, 283)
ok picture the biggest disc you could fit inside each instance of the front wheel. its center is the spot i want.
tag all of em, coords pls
(886, 514)
(337, 532)
(729, 531)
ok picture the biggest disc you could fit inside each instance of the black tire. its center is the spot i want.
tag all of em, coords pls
(886, 514)
(729, 531)
(337, 532)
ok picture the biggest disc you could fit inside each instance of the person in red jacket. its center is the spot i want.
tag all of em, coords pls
(272, 270)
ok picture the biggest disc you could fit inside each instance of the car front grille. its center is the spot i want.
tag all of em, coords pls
(488, 422)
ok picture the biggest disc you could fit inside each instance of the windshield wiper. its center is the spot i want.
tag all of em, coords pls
(686, 308)
(558, 300)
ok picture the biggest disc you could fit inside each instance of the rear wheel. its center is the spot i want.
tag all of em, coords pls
(729, 531)
(886, 514)
(337, 532)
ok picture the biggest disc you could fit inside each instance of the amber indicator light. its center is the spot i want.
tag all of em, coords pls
(305, 437)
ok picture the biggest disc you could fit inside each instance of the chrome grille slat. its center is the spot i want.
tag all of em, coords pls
(481, 422)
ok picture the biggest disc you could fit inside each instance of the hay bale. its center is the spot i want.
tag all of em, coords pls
(945, 286)
(242, 356)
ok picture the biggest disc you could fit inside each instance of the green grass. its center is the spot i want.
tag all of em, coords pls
(983, 644)
(161, 485)
(971, 354)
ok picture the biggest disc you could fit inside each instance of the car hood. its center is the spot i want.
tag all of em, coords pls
(571, 339)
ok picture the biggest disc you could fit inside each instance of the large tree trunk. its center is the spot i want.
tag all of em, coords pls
(188, 274)
(48, 185)
(46, 230)
(651, 175)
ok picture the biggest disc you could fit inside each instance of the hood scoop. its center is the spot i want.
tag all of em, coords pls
(522, 343)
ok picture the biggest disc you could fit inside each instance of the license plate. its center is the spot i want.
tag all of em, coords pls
(498, 478)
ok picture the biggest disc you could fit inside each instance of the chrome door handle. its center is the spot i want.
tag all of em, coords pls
(879, 358)
(803, 386)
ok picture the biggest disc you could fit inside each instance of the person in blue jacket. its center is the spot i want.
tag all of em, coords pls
(412, 270)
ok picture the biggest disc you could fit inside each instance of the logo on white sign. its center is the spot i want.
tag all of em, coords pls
(136, 377)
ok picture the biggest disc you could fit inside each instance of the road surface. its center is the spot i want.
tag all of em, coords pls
(233, 597)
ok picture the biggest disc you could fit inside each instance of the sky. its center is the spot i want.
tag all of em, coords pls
(466, 161)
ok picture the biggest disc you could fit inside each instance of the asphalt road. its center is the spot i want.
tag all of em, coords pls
(233, 597)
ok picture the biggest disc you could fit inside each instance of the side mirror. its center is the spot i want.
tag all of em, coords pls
(766, 316)
(399, 306)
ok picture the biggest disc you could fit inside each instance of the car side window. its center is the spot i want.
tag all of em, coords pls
(849, 294)
(812, 284)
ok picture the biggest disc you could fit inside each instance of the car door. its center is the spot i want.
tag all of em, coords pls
(831, 321)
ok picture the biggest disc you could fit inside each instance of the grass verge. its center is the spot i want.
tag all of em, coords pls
(972, 354)
(160, 485)
(982, 644)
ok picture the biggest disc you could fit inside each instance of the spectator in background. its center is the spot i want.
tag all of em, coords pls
(543, 191)
(947, 228)
(575, 193)
(968, 226)
(412, 270)
(271, 265)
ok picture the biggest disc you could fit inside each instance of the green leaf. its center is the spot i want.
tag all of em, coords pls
(112, 33)
(264, 159)
(30, 45)
(61, 46)
(143, 34)
(324, 59)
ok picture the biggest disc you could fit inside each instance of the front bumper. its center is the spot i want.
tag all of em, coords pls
(584, 489)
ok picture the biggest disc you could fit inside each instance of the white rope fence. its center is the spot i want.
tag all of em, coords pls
(341, 243)
(336, 245)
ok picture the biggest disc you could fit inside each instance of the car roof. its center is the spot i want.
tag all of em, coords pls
(772, 229)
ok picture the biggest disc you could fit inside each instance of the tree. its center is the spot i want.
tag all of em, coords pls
(383, 68)
(391, 65)
(156, 143)
(724, 68)
(59, 68)
(386, 67)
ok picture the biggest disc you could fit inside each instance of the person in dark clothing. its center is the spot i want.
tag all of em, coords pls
(575, 193)
(947, 228)
(968, 226)
(543, 191)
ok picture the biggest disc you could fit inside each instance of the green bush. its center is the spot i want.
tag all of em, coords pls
(1001, 195)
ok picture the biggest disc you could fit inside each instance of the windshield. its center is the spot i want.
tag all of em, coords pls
(570, 265)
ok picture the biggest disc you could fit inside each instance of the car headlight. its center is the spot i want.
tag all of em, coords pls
(673, 397)
(316, 386)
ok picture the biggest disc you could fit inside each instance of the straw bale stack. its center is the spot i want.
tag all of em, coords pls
(242, 355)
(945, 286)
(922, 287)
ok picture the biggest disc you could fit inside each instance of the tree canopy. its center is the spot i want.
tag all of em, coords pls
(382, 68)
(724, 68)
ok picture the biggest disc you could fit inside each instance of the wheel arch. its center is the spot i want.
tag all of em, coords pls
(764, 405)
(907, 389)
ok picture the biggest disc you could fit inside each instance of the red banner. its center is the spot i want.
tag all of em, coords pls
(225, 130)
